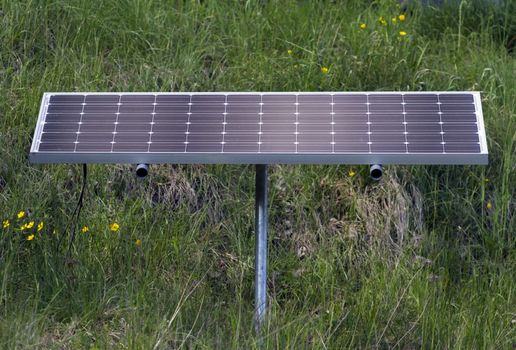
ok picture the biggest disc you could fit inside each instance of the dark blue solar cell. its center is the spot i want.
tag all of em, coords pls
(56, 147)
(102, 99)
(208, 147)
(386, 108)
(350, 98)
(425, 147)
(243, 108)
(241, 147)
(420, 98)
(54, 108)
(351, 147)
(170, 118)
(63, 118)
(278, 99)
(137, 99)
(421, 108)
(94, 147)
(351, 137)
(388, 147)
(172, 99)
(238, 137)
(315, 137)
(130, 147)
(315, 98)
(243, 99)
(100, 118)
(277, 137)
(314, 108)
(455, 147)
(169, 137)
(96, 137)
(61, 127)
(129, 108)
(455, 98)
(279, 108)
(454, 108)
(58, 137)
(385, 98)
(314, 147)
(208, 99)
(100, 127)
(278, 147)
(167, 147)
(350, 108)
(66, 99)
(425, 138)
(279, 128)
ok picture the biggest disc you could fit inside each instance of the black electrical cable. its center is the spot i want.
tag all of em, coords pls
(77, 211)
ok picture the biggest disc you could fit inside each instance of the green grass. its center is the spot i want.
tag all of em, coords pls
(415, 261)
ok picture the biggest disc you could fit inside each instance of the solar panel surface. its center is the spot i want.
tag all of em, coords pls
(328, 127)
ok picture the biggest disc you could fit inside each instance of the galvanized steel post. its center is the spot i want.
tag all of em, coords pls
(261, 248)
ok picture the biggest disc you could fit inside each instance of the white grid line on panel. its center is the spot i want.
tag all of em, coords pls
(188, 122)
(368, 124)
(80, 123)
(116, 121)
(224, 122)
(152, 121)
(332, 126)
(404, 122)
(260, 125)
(441, 122)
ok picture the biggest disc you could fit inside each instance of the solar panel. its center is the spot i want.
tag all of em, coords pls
(261, 128)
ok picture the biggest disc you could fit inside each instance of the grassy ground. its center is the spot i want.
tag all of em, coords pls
(423, 259)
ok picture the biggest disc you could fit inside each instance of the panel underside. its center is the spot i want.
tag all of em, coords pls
(249, 128)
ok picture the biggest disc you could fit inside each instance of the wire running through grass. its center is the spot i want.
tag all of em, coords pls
(76, 213)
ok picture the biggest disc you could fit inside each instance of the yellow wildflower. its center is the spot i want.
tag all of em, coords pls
(30, 237)
(363, 26)
(6, 223)
(382, 21)
(27, 226)
(325, 70)
(138, 242)
(289, 51)
(21, 215)
(489, 205)
(351, 173)
(114, 227)
(40, 226)
(402, 33)
(486, 180)
(296, 65)
(85, 229)
(393, 19)
(401, 17)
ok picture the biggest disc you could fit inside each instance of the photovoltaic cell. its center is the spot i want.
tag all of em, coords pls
(329, 127)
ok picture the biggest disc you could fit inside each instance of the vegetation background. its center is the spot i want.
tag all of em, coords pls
(423, 259)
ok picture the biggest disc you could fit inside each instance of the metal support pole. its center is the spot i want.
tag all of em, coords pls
(261, 248)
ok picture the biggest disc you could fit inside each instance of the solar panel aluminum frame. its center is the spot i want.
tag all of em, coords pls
(257, 158)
